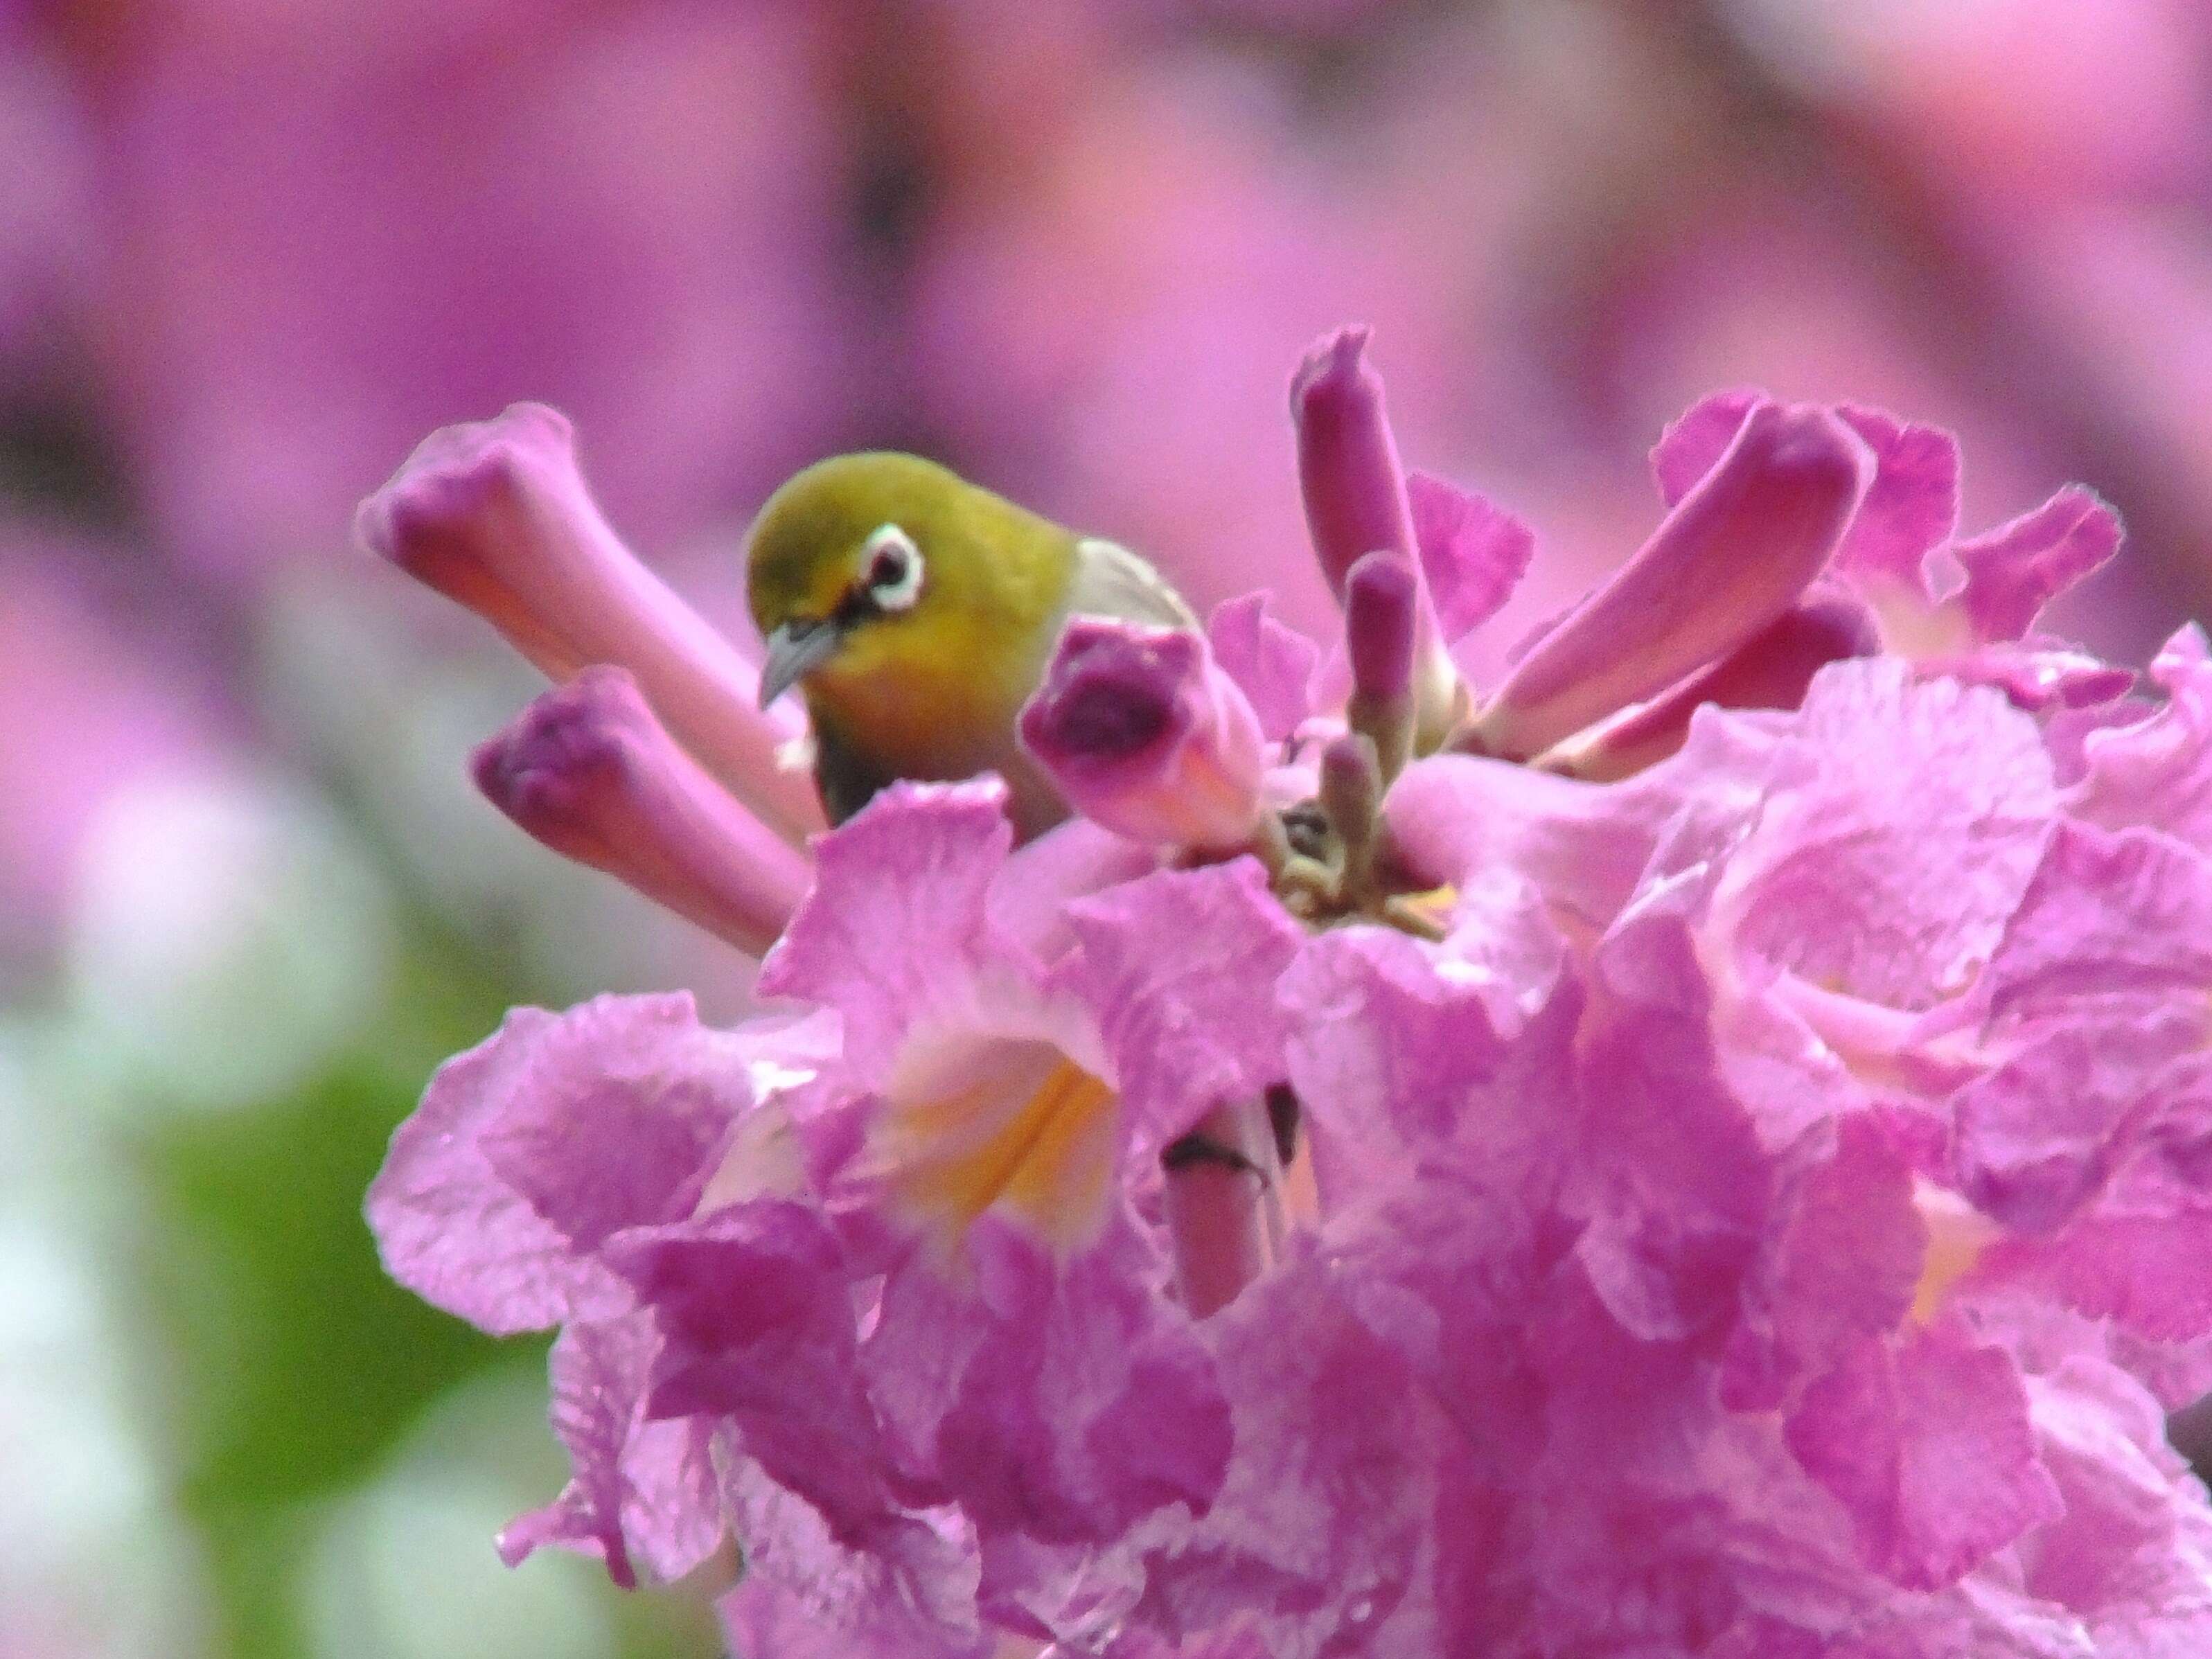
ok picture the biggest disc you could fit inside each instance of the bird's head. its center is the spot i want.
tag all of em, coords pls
(868, 563)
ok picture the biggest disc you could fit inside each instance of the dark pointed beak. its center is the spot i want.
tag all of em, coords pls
(794, 651)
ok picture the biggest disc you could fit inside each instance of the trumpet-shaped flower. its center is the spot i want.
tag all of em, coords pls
(1698, 1149)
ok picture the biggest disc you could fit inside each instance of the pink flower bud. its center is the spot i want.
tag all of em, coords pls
(1355, 497)
(1381, 597)
(495, 516)
(1733, 556)
(1382, 607)
(1144, 733)
(1770, 670)
(589, 772)
(1351, 785)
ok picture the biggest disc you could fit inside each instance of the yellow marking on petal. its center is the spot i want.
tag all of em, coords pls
(763, 1160)
(1032, 1133)
(1958, 1234)
(1438, 901)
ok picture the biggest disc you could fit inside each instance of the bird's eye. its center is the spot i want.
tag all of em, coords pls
(894, 578)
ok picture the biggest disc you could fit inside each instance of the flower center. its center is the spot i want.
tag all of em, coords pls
(1957, 1237)
(980, 1124)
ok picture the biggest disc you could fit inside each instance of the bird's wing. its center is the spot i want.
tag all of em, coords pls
(1112, 581)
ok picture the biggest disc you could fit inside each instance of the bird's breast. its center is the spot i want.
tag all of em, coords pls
(946, 718)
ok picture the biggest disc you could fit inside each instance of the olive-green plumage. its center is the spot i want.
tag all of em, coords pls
(916, 613)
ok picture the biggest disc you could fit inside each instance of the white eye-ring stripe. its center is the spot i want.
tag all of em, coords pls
(898, 593)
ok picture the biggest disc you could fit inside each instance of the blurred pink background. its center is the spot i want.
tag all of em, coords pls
(251, 250)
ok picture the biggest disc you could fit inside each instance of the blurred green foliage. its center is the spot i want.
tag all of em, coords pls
(290, 1369)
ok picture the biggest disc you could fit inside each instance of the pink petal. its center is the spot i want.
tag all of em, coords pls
(1894, 895)
(1272, 662)
(1841, 1255)
(2157, 771)
(1677, 1183)
(1695, 439)
(533, 1146)
(2113, 928)
(2015, 570)
(898, 910)
(1927, 1444)
(1319, 1528)
(1774, 668)
(2127, 1552)
(754, 1304)
(1065, 1401)
(906, 1590)
(1734, 555)
(1028, 899)
(1911, 510)
(1180, 969)
(1454, 818)
(1402, 1052)
(640, 1488)
(1473, 553)
(2037, 1138)
(2135, 1260)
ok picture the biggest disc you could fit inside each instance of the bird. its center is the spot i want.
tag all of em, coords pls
(915, 612)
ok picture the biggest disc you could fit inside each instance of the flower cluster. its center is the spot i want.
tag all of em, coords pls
(1703, 1147)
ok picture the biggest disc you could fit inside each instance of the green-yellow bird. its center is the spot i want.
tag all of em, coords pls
(916, 613)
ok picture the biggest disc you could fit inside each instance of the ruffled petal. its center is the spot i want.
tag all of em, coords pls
(1272, 662)
(2014, 571)
(2112, 930)
(642, 1490)
(1180, 971)
(1896, 896)
(2156, 771)
(1472, 552)
(1927, 1444)
(755, 1305)
(1403, 1052)
(1839, 1260)
(1912, 507)
(531, 1148)
(1061, 1400)
(904, 1591)
(898, 912)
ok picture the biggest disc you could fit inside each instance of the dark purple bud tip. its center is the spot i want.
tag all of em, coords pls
(1382, 601)
(1109, 714)
(1141, 730)
(1110, 694)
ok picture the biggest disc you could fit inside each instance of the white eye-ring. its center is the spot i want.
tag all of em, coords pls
(894, 567)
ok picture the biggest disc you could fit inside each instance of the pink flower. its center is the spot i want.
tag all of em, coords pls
(589, 771)
(1979, 625)
(1139, 731)
(1732, 558)
(1357, 504)
(495, 516)
(1704, 1155)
